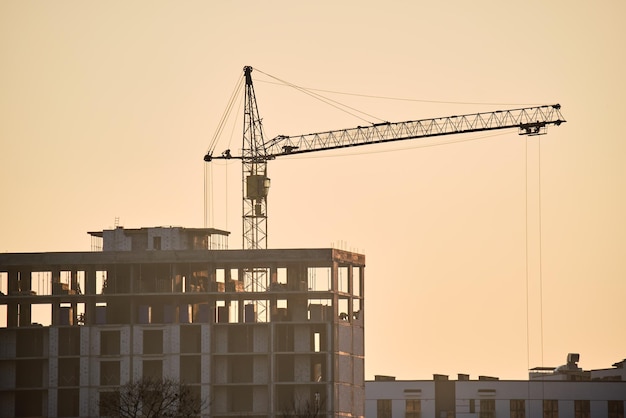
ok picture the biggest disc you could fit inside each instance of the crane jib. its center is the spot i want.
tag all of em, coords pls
(529, 121)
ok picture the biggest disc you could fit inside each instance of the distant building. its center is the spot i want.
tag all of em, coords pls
(566, 391)
(256, 332)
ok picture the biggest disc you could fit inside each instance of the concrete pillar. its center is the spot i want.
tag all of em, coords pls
(56, 278)
(335, 288)
(25, 316)
(13, 286)
(74, 287)
(90, 289)
(25, 280)
(53, 370)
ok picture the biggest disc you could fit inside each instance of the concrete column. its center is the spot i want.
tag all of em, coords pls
(351, 292)
(74, 287)
(56, 278)
(90, 281)
(53, 370)
(334, 289)
(240, 311)
(13, 286)
(25, 280)
(90, 289)
(334, 277)
(25, 318)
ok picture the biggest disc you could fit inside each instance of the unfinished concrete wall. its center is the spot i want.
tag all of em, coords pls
(266, 361)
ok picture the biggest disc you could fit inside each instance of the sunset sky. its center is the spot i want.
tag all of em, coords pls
(487, 254)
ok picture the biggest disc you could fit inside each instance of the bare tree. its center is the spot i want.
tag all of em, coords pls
(150, 397)
(304, 408)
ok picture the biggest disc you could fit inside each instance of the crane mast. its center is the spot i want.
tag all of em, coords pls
(255, 188)
(254, 172)
(256, 153)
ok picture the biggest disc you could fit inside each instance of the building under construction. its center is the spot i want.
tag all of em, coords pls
(255, 332)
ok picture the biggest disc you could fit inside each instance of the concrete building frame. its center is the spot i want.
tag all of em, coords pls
(181, 311)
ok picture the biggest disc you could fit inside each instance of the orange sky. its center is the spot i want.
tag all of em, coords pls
(107, 109)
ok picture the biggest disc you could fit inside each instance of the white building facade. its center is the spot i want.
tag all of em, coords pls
(593, 394)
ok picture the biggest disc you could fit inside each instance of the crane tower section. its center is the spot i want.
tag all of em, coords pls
(254, 172)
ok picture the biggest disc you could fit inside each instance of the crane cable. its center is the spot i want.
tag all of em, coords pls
(208, 171)
(540, 260)
(334, 103)
(404, 99)
(526, 257)
(540, 271)
(226, 115)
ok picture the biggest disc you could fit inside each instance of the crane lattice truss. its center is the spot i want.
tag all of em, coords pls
(256, 153)
(255, 187)
(529, 121)
(254, 173)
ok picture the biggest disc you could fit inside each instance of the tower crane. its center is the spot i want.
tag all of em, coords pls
(256, 152)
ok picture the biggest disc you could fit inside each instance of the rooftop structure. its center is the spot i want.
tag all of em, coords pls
(160, 238)
(566, 391)
(159, 302)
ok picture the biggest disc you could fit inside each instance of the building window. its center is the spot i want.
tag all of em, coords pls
(190, 369)
(69, 372)
(190, 339)
(383, 408)
(472, 406)
(29, 373)
(487, 408)
(29, 342)
(109, 343)
(518, 408)
(550, 408)
(29, 403)
(153, 369)
(616, 409)
(240, 398)
(156, 243)
(413, 408)
(582, 409)
(109, 373)
(153, 341)
(67, 405)
(110, 399)
(69, 341)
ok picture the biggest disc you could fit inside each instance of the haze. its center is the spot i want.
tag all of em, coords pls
(486, 254)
